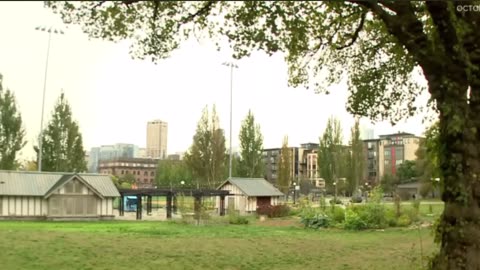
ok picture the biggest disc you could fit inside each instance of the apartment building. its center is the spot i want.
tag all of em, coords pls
(143, 169)
(271, 158)
(386, 153)
(303, 162)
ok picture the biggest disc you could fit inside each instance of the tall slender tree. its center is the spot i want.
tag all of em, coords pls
(284, 175)
(62, 141)
(206, 156)
(331, 160)
(357, 158)
(251, 143)
(12, 133)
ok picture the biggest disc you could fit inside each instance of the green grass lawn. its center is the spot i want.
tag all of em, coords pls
(168, 245)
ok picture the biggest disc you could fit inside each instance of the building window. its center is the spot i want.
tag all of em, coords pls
(145, 173)
(152, 174)
(123, 172)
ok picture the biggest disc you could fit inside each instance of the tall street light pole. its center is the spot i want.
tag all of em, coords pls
(49, 30)
(232, 66)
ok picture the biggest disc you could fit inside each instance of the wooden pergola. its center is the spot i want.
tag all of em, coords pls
(171, 195)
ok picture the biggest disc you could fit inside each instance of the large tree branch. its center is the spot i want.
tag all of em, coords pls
(408, 30)
(208, 6)
(355, 34)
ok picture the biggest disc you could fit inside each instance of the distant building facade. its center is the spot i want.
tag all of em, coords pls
(110, 152)
(157, 132)
(386, 153)
(143, 169)
(303, 163)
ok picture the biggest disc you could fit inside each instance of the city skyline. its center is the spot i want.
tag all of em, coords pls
(113, 96)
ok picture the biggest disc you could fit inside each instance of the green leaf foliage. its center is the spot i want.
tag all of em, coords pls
(12, 133)
(251, 145)
(284, 178)
(379, 47)
(62, 147)
(207, 154)
(170, 173)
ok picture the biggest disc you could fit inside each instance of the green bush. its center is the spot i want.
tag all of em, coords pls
(338, 201)
(391, 217)
(273, 211)
(356, 199)
(412, 213)
(236, 219)
(404, 220)
(315, 221)
(375, 216)
(337, 214)
(353, 221)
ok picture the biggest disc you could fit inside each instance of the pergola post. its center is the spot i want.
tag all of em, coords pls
(139, 207)
(197, 205)
(222, 205)
(149, 205)
(121, 206)
(169, 206)
(175, 204)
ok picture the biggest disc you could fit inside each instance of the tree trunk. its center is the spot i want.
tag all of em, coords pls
(459, 227)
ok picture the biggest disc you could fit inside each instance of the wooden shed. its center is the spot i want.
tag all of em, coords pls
(41, 195)
(249, 193)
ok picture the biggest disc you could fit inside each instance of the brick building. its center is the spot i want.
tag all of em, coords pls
(143, 169)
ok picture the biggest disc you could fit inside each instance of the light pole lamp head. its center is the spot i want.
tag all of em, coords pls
(50, 29)
(230, 64)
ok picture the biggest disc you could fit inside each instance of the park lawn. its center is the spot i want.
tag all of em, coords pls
(169, 245)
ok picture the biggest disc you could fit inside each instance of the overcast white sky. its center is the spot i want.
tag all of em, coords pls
(113, 96)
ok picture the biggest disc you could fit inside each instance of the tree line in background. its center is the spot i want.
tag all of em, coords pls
(206, 163)
(62, 141)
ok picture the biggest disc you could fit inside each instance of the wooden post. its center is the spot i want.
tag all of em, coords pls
(149, 205)
(222, 205)
(175, 204)
(139, 207)
(197, 205)
(121, 206)
(169, 206)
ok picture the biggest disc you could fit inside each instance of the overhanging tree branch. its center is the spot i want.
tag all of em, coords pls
(356, 33)
(200, 12)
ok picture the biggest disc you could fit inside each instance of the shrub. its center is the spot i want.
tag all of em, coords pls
(356, 199)
(338, 214)
(391, 218)
(374, 216)
(412, 213)
(236, 219)
(274, 210)
(353, 221)
(315, 221)
(338, 201)
(404, 220)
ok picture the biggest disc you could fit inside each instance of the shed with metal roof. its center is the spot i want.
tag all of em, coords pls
(52, 195)
(250, 193)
